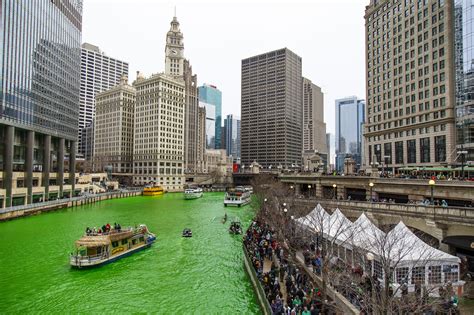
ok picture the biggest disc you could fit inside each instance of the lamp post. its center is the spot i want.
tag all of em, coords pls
(334, 190)
(370, 257)
(309, 190)
(371, 185)
(462, 153)
(432, 184)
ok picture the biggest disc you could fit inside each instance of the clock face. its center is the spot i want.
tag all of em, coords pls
(174, 52)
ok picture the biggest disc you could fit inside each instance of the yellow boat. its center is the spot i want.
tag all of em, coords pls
(153, 191)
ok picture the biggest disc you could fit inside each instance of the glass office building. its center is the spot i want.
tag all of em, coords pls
(232, 135)
(210, 124)
(39, 91)
(350, 118)
(209, 94)
(464, 58)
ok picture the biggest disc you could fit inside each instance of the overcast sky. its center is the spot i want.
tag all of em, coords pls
(327, 34)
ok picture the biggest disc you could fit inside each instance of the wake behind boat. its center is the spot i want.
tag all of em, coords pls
(99, 248)
(193, 193)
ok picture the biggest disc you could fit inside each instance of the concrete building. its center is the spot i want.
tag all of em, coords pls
(99, 72)
(39, 93)
(350, 116)
(113, 132)
(314, 128)
(212, 96)
(271, 111)
(216, 161)
(232, 136)
(464, 59)
(201, 137)
(87, 138)
(410, 84)
(158, 151)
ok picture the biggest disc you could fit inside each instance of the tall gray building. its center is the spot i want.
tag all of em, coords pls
(272, 118)
(232, 136)
(98, 73)
(40, 56)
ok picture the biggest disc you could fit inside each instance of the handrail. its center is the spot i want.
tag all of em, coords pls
(64, 201)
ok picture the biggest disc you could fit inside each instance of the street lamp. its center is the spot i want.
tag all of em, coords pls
(284, 204)
(265, 199)
(371, 185)
(285, 211)
(309, 190)
(334, 190)
(432, 184)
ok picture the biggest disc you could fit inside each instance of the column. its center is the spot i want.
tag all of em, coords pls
(30, 144)
(46, 165)
(72, 166)
(341, 192)
(60, 176)
(319, 190)
(8, 165)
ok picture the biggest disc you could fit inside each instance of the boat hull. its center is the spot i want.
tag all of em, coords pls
(236, 203)
(153, 193)
(84, 264)
(189, 196)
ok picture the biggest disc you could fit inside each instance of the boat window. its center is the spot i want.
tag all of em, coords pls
(124, 242)
(114, 244)
(134, 241)
(141, 239)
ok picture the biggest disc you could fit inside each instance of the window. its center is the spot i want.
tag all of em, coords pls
(124, 242)
(402, 275)
(387, 152)
(115, 244)
(434, 274)
(440, 149)
(451, 273)
(411, 150)
(418, 275)
(425, 150)
(399, 152)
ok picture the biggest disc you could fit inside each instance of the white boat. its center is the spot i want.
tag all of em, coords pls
(193, 193)
(238, 196)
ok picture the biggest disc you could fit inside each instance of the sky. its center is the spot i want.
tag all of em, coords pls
(327, 34)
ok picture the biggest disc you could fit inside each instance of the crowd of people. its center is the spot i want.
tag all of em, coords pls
(288, 289)
(104, 230)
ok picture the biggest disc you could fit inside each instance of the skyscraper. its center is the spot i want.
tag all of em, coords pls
(314, 128)
(39, 93)
(178, 67)
(232, 134)
(272, 105)
(350, 116)
(410, 84)
(464, 58)
(98, 73)
(209, 94)
(113, 132)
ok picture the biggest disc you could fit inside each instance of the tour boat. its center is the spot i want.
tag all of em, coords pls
(238, 196)
(153, 191)
(193, 193)
(95, 249)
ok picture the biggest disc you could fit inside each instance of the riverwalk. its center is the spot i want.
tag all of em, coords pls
(52, 205)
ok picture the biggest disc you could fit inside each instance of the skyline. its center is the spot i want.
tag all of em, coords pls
(216, 56)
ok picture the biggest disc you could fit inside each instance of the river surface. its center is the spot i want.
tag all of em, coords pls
(199, 275)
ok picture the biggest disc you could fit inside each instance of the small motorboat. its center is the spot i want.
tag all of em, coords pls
(235, 227)
(187, 233)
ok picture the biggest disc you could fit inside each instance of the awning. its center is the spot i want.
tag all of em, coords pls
(460, 241)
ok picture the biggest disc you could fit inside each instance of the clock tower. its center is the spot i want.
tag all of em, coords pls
(174, 51)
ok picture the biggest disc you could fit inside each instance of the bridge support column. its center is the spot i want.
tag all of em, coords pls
(319, 190)
(341, 192)
(298, 189)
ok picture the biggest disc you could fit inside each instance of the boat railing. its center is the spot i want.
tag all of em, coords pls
(90, 257)
(112, 232)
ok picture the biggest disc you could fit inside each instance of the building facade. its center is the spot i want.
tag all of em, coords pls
(98, 73)
(232, 136)
(211, 95)
(464, 47)
(113, 132)
(210, 124)
(39, 112)
(314, 127)
(87, 138)
(271, 111)
(201, 137)
(158, 151)
(350, 116)
(410, 84)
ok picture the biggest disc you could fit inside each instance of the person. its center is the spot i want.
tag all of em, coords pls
(225, 216)
(107, 227)
(88, 231)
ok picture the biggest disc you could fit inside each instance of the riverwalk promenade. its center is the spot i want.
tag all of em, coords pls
(52, 205)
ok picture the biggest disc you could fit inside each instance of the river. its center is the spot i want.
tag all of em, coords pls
(200, 275)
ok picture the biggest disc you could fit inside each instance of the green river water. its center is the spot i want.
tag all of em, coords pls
(199, 275)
